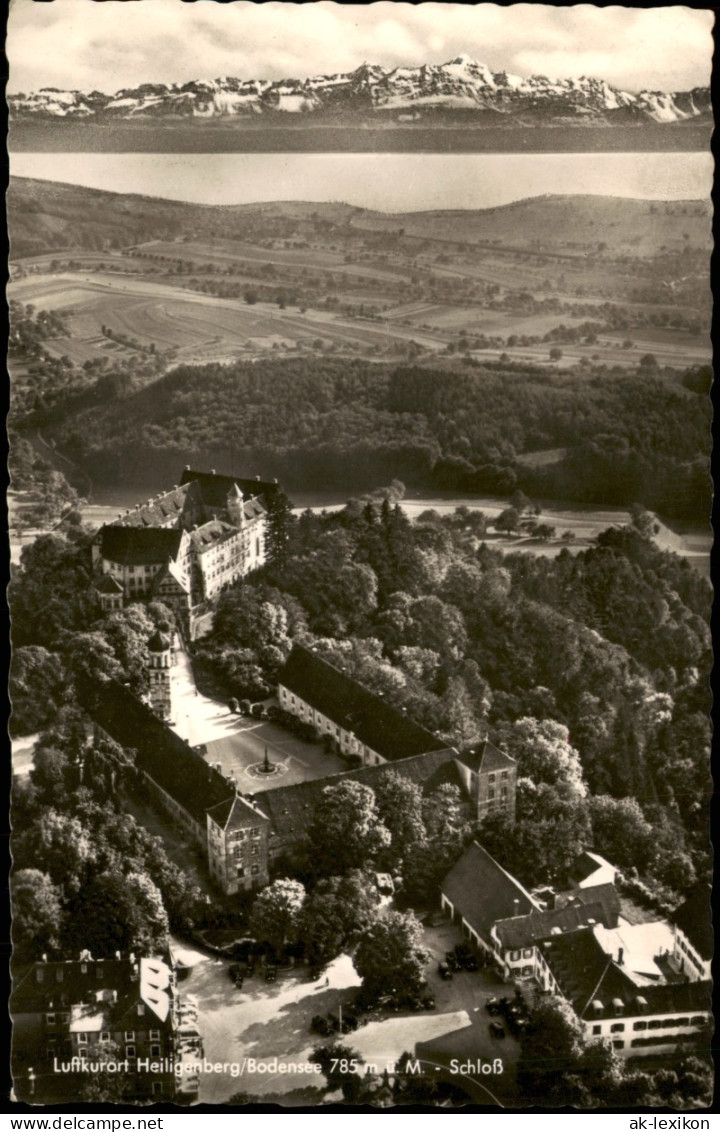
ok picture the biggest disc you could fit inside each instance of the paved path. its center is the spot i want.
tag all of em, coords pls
(196, 717)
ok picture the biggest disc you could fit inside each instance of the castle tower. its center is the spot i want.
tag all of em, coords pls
(161, 659)
(490, 779)
(235, 507)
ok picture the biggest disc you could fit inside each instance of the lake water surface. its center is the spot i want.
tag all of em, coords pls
(388, 182)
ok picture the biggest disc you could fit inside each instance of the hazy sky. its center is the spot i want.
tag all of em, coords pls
(87, 45)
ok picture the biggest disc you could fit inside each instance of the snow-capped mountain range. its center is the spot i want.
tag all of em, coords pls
(403, 94)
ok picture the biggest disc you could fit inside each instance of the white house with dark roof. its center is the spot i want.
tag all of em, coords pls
(79, 1007)
(478, 892)
(629, 983)
(622, 988)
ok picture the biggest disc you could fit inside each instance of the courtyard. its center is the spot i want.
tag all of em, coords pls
(239, 743)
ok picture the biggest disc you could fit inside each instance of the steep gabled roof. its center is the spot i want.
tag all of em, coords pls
(171, 576)
(236, 813)
(214, 488)
(585, 865)
(483, 892)
(523, 931)
(106, 584)
(291, 808)
(211, 534)
(486, 757)
(597, 986)
(347, 703)
(99, 997)
(694, 918)
(139, 546)
(162, 754)
(164, 509)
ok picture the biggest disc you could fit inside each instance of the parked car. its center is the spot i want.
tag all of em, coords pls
(321, 1025)
(271, 974)
(453, 962)
(236, 971)
(444, 971)
(493, 1005)
(497, 1030)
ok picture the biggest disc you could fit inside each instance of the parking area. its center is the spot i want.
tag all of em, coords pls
(468, 992)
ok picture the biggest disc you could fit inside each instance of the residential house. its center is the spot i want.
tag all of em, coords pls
(629, 982)
(126, 1010)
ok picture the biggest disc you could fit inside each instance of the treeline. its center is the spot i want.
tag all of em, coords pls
(323, 423)
(589, 669)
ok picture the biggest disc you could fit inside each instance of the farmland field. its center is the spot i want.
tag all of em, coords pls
(584, 298)
(199, 326)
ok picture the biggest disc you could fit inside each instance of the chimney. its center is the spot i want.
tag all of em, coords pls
(516, 907)
(621, 952)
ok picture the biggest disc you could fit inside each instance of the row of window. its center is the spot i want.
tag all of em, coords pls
(691, 955)
(526, 953)
(491, 776)
(655, 1024)
(105, 1035)
(241, 870)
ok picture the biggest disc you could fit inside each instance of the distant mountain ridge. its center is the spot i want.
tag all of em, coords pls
(461, 86)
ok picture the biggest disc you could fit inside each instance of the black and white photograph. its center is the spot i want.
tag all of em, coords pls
(359, 533)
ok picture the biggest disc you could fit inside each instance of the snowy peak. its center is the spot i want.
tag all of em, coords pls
(406, 93)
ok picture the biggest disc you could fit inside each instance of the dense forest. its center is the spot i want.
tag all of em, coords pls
(591, 669)
(331, 423)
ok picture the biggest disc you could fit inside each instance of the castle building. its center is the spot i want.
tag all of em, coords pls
(353, 720)
(184, 546)
(194, 793)
(243, 835)
(125, 1010)
(357, 722)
